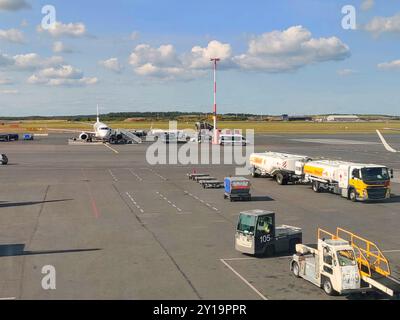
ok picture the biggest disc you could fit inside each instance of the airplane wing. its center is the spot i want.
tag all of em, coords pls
(386, 145)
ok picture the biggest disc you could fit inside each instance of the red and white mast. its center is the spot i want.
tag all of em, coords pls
(215, 134)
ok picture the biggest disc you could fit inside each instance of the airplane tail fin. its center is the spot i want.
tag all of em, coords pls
(98, 116)
(386, 145)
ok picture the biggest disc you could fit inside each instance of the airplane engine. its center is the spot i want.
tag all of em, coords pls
(119, 136)
(83, 136)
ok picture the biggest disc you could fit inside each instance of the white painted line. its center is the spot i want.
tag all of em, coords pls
(113, 176)
(391, 251)
(112, 149)
(8, 298)
(239, 259)
(244, 280)
(137, 176)
(134, 202)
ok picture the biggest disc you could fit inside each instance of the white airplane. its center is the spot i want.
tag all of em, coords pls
(384, 142)
(101, 131)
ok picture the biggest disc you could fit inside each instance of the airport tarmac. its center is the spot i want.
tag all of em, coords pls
(115, 227)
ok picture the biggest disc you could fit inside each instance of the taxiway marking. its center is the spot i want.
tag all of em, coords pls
(136, 175)
(113, 175)
(111, 148)
(244, 280)
(170, 202)
(134, 202)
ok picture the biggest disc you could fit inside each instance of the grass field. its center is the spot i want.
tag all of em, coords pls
(258, 126)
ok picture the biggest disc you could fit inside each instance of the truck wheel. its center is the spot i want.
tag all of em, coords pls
(254, 174)
(353, 195)
(315, 186)
(279, 178)
(296, 269)
(327, 286)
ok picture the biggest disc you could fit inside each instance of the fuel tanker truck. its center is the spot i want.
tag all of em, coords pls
(354, 181)
(282, 167)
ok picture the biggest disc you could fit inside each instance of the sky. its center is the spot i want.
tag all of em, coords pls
(277, 57)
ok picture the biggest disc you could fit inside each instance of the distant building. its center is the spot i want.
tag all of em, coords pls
(342, 118)
(300, 118)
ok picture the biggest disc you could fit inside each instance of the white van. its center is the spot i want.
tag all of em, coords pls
(232, 139)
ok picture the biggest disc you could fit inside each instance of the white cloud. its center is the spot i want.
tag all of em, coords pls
(111, 64)
(60, 29)
(277, 51)
(289, 50)
(135, 35)
(367, 5)
(162, 56)
(32, 61)
(59, 47)
(13, 5)
(346, 72)
(393, 65)
(65, 75)
(379, 25)
(199, 58)
(12, 35)
(163, 62)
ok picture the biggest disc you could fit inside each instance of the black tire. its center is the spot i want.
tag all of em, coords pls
(327, 286)
(315, 186)
(231, 199)
(254, 174)
(296, 269)
(279, 178)
(353, 195)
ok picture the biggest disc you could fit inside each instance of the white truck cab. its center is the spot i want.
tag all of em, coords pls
(332, 266)
(344, 263)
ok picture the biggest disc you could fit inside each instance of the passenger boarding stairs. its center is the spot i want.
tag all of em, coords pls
(129, 136)
(373, 265)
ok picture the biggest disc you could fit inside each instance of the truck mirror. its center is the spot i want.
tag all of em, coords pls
(391, 174)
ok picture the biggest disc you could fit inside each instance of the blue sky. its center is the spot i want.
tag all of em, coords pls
(290, 56)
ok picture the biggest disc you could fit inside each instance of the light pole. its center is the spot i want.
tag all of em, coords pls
(215, 134)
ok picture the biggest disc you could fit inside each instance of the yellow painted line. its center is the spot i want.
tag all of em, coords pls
(112, 149)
